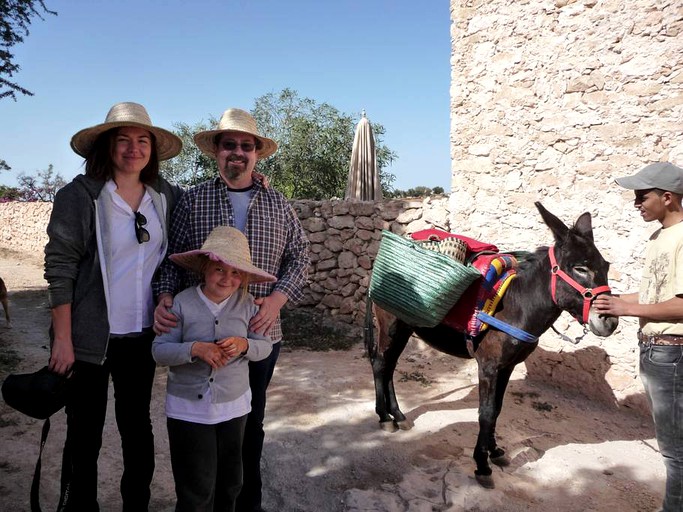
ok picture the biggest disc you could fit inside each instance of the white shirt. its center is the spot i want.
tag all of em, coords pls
(134, 264)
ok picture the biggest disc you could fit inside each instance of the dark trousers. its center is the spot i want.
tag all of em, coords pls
(260, 373)
(661, 370)
(131, 366)
(207, 464)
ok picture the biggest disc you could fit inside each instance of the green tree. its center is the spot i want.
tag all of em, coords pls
(191, 166)
(9, 194)
(15, 18)
(40, 187)
(315, 141)
(419, 191)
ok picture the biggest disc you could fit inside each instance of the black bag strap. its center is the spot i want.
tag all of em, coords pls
(35, 485)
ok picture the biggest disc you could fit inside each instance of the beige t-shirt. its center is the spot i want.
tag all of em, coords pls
(662, 276)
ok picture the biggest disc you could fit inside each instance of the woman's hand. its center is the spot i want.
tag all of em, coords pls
(61, 356)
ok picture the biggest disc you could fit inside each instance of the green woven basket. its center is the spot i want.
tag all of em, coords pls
(417, 285)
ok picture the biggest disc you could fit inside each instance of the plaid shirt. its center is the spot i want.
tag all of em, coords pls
(277, 240)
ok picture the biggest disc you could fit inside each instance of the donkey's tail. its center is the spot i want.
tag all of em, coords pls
(368, 330)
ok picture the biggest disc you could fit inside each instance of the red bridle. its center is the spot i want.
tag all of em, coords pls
(588, 294)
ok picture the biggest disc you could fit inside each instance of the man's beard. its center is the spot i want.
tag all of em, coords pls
(232, 172)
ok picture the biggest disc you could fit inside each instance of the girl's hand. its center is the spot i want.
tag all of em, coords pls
(210, 353)
(233, 346)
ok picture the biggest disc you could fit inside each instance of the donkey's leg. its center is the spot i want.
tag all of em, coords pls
(394, 350)
(488, 379)
(497, 454)
(384, 351)
(5, 306)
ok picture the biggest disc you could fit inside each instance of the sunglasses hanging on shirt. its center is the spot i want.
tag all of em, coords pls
(140, 232)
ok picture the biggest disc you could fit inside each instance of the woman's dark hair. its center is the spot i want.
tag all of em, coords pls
(100, 165)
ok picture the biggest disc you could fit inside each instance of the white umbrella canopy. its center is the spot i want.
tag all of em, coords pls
(363, 182)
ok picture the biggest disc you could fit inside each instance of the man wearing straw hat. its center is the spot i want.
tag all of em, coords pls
(278, 246)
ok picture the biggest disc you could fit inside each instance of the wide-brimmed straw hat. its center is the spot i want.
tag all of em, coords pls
(227, 245)
(235, 120)
(127, 114)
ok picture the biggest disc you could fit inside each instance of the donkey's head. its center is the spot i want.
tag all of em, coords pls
(579, 272)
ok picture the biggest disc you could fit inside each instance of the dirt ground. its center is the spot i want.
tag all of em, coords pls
(324, 451)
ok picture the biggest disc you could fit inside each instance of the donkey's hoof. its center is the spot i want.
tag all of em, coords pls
(405, 424)
(486, 481)
(501, 460)
(388, 426)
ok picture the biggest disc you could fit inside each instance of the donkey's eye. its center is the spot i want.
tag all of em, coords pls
(580, 269)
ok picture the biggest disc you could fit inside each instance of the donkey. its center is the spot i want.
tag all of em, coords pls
(551, 280)
(4, 301)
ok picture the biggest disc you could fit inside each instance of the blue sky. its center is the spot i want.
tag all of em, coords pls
(188, 60)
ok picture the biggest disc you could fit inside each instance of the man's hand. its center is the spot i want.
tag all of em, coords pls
(611, 305)
(164, 320)
(269, 309)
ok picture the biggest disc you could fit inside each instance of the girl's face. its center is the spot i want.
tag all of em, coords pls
(220, 281)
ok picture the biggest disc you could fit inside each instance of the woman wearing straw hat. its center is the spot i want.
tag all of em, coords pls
(278, 243)
(107, 236)
(208, 352)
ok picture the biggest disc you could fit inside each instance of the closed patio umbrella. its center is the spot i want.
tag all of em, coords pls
(363, 182)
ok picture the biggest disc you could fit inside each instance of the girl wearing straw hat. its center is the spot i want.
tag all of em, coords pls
(208, 351)
(107, 236)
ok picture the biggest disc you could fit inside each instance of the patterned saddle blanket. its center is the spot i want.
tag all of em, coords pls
(483, 295)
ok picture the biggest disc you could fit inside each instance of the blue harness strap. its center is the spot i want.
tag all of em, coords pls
(519, 334)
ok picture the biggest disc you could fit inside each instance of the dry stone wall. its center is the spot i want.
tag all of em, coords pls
(550, 101)
(344, 237)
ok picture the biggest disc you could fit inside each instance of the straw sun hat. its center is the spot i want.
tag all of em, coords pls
(227, 245)
(235, 120)
(127, 114)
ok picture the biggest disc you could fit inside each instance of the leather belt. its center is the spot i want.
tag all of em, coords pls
(660, 339)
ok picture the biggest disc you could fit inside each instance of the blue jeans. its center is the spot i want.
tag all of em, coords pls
(207, 464)
(260, 373)
(661, 370)
(131, 366)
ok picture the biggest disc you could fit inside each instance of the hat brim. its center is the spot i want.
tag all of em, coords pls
(633, 183)
(193, 260)
(204, 141)
(168, 144)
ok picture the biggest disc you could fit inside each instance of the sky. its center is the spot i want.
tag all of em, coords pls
(187, 61)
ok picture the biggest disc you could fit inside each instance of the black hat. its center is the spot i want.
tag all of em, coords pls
(39, 394)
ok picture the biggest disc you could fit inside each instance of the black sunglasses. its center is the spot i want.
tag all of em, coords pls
(231, 145)
(141, 233)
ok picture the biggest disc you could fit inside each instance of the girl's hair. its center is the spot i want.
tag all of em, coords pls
(244, 285)
(99, 163)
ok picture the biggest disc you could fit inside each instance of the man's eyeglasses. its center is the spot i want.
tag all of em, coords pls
(141, 233)
(231, 145)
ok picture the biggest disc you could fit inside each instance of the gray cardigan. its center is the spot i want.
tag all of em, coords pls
(78, 258)
(190, 377)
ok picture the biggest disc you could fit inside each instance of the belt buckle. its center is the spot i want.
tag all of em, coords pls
(645, 340)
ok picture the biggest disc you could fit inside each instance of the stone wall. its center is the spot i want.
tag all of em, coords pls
(550, 101)
(344, 238)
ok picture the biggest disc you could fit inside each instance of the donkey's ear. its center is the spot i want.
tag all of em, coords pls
(558, 227)
(584, 226)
